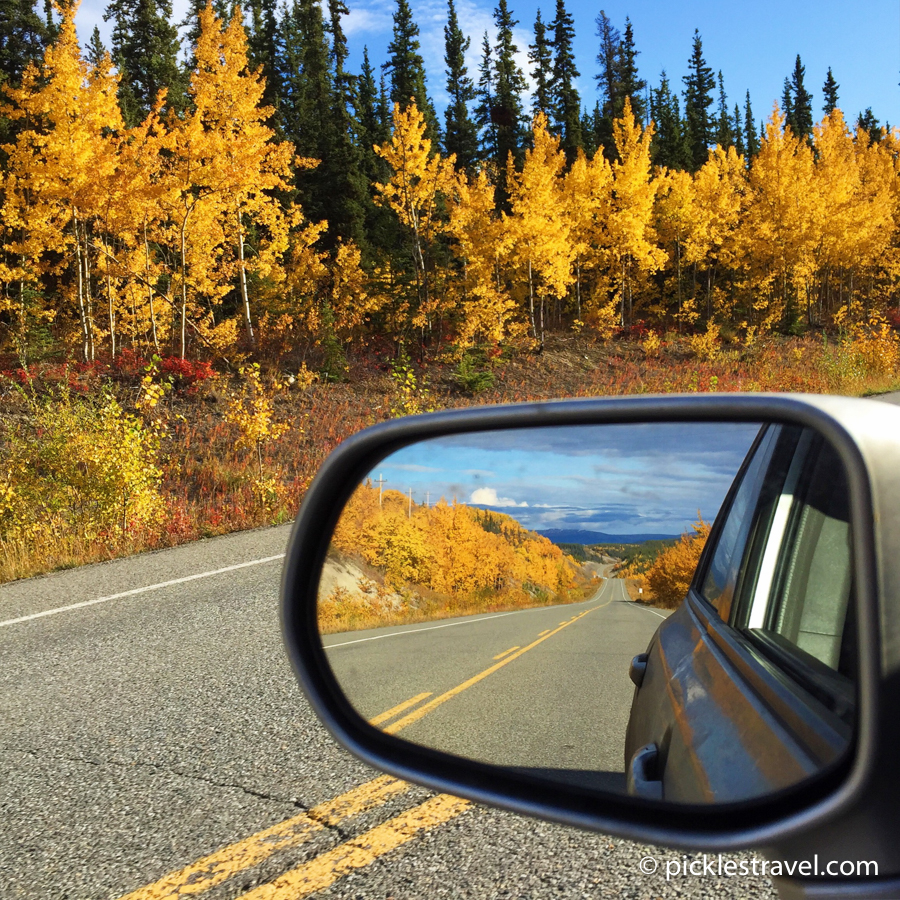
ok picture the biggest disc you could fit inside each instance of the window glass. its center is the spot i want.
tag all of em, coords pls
(809, 606)
(724, 567)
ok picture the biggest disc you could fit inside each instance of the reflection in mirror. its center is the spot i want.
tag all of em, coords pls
(518, 597)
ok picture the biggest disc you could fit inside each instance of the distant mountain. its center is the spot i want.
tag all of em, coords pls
(573, 536)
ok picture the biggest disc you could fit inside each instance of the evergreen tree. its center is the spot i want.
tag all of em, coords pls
(23, 39)
(608, 82)
(724, 136)
(318, 123)
(669, 147)
(373, 129)
(738, 131)
(699, 83)
(460, 132)
(540, 57)
(96, 51)
(566, 104)
(750, 135)
(628, 82)
(407, 69)
(787, 104)
(507, 111)
(262, 47)
(145, 47)
(867, 122)
(589, 131)
(802, 124)
(370, 124)
(484, 96)
(830, 90)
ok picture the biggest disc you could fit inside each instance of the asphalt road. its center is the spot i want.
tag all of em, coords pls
(155, 744)
(544, 690)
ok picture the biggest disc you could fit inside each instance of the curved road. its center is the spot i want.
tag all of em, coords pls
(543, 689)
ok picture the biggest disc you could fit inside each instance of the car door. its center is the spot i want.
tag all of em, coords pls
(749, 685)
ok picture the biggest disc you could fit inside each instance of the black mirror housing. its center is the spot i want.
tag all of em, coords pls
(865, 435)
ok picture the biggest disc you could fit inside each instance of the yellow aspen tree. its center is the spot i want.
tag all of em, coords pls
(420, 180)
(719, 189)
(675, 220)
(876, 162)
(779, 230)
(587, 196)
(837, 180)
(538, 227)
(487, 311)
(245, 164)
(62, 157)
(633, 246)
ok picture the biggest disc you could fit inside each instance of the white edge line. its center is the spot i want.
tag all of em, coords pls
(140, 590)
(472, 621)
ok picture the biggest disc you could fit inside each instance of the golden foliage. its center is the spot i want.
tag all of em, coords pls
(77, 466)
(671, 574)
(449, 548)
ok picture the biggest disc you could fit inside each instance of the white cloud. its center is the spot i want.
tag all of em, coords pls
(375, 20)
(488, 497)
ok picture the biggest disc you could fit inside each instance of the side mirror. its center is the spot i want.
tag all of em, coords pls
(460, 603)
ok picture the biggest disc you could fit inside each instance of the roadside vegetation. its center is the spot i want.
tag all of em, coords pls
(660, 575)
(432, 562)
(205, 288)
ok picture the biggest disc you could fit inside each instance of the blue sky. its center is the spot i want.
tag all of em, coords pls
(754, 44)
(619, 479)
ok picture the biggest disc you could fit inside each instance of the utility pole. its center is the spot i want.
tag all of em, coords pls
(380, 482)
(409, 513)
(427, 498)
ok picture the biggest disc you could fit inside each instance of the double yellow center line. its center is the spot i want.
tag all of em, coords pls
(328, 867)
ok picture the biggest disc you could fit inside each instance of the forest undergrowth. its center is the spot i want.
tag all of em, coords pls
(104, 460)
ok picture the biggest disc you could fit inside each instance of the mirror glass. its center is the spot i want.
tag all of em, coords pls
(521, 598)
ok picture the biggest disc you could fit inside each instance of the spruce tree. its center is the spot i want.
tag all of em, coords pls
(867, 122)
(96, 51)
(540, 57)
(262, 47)
(369, 119)
(629, 84)
(566, 104)
(724, 135)
(373, 128)
(460, 132)
(699, 83)
(484, 102)
(669, 147)
(145, 47)
(23, 38)
(750, 135)
(738, 131)
(318, 123)
(507, 111)
(607, 79)
(406, 69)
(787, 104)
(830, 90)
(803, 117)
(589, 133)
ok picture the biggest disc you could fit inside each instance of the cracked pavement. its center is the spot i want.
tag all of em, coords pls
(142, 734)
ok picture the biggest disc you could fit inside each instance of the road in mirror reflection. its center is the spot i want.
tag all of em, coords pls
(481, 595)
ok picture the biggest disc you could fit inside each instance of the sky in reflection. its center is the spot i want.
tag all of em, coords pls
(616, 479)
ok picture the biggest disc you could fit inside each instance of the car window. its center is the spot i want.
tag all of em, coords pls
(803, 593)
(724, 566)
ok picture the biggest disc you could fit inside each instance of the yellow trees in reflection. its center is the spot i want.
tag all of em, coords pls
(443, 559)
